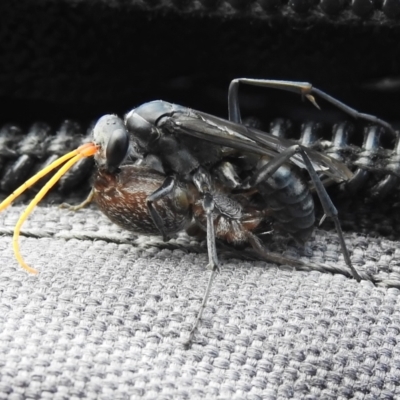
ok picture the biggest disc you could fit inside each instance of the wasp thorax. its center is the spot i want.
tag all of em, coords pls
(143, 130)
(112, 137)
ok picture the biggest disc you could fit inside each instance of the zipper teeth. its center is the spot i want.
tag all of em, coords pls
(24, 153)
(375, 163)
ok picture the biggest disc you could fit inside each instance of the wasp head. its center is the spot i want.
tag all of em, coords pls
(111, 136)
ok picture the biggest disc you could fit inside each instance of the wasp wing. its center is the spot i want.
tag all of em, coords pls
(240, 137)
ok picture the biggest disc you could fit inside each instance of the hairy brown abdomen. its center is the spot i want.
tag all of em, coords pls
(122, 198)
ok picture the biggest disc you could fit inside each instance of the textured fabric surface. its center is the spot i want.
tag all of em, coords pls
(108, 319)
(109, 313)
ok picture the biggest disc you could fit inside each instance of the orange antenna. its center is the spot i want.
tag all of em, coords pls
(86, 150)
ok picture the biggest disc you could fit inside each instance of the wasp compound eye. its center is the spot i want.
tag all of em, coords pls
(111, 136)
(105, 127)
(117, 148)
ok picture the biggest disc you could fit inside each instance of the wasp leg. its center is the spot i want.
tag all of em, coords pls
(202, 181)
(329, 209)
(164, 190)
(84, 203)
(208, 205)
(304, 89)
(275, 258)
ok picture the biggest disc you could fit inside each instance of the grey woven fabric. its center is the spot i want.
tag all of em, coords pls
(109, 313)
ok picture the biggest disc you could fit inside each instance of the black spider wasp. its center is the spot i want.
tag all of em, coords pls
(190, 162)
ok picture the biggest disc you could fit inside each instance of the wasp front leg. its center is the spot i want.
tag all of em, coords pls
(164, 190)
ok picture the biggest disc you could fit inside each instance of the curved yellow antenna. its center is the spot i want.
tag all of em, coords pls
(86, 150)
(41, 174)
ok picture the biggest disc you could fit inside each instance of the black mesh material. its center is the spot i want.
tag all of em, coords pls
(84, 58)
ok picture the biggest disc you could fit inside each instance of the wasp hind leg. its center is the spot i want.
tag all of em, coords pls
(305, 89)
(329, 209)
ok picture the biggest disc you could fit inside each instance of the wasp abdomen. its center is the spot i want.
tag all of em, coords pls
(289, 197)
